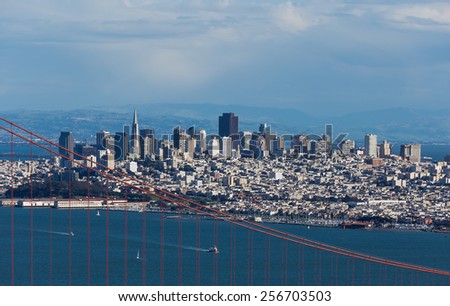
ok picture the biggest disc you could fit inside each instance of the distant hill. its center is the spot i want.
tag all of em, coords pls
(400, 124)
(396, 124)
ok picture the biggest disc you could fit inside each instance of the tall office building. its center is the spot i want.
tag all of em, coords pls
(202, 141)
(268, 144)
(147, 132)
(121, 150)
(317, 147)
(264, 128)
(101, 139)
(178, 138)
(191, 145)
(226, 147)
(299, 143)
(329, 132)
(127, 130)
(67, 143)
(385, 149)
(147, 145)
(83, 149)
(328, 138)
(191, 131)
(348, 146)
(246, 138)
(411, 152)
(134, 145)
(106, 158)
(228, 124)
(280, 145)
(370, 145)
(214, 147)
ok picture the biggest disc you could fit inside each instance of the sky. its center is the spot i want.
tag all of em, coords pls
(330, 57)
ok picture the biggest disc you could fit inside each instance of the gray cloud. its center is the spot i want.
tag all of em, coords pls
(308, 54)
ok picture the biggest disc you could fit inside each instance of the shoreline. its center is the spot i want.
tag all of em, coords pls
(137, 208)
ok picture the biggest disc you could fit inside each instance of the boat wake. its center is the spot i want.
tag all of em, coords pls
(186, 247)
(166, 244)
(53, 232)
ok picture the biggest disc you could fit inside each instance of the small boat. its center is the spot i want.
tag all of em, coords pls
(137, 256)
(213, 249)
(98, 213)
(72, 234)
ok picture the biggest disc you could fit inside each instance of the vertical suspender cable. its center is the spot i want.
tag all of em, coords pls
(125, 245)
(107, 233)
(161, 254)
(144, 241)
(197, 253)
(88, 229)
(69, 177)
(31, 213)
(12, 207)
(50, 193)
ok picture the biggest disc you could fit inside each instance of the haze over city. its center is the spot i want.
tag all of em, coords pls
(328, 57)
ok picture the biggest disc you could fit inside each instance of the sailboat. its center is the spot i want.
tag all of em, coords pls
(137, 256)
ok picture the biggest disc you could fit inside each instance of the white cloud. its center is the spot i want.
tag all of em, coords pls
(291, 18)
(430, 16)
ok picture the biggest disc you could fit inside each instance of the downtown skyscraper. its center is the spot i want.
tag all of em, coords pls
(228, 124)
(135, 150)
(370, 145)
(66, 149)
(229, 127)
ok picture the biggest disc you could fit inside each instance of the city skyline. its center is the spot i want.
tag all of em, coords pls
(315, 56)
(229, 143)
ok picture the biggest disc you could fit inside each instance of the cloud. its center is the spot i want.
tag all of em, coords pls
(429, 16)
(291, 18)
(235, 50)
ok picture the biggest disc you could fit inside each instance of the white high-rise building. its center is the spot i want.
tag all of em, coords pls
(370, 145)
(214, 147)
(385, 149)
(227, 146)
(202, 141)
(411, 152)
(135, 145)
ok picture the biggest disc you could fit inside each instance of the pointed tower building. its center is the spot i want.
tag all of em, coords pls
(134, 146)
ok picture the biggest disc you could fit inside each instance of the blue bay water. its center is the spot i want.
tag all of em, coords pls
(46, 254)
(436, 152)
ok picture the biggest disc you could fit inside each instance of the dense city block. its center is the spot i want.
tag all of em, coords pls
(307, 179)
